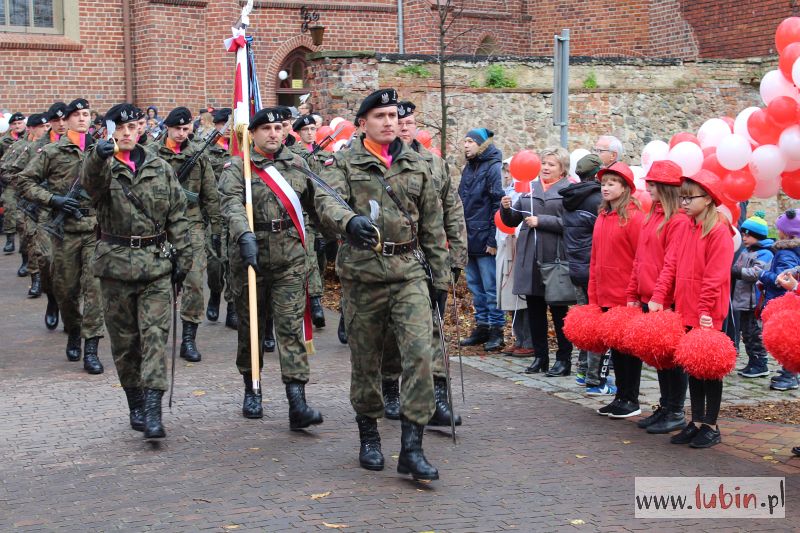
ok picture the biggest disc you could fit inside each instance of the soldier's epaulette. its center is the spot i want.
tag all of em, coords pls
(226, 165)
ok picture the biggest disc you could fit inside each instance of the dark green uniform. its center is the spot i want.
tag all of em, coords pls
(10, 147)
(218, 266)
(315, 287)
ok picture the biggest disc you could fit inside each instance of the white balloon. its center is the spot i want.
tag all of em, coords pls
(335, 122)
(712, 132)
(654, 151)
(796, 71)
(4, 123)
(338, 144)
(789, 142)
(774, 84)
(734, 152)
(740, 123)
(737, 239)
(574, 157)
(724, 211)
(638, 177)
(767, 188)
(688, 156)
(767, 162)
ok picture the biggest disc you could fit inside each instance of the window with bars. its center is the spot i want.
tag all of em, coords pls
(32, 16)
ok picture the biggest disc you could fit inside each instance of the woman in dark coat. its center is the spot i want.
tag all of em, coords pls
(540, 241)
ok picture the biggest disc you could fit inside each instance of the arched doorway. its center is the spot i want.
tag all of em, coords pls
(295, 85)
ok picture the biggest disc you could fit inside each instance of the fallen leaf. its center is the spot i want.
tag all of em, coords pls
(626, 442)
(581, 456)
(335, 526)
(199, 393)
(232, 526)
(117, 385)
(768, 458)
(519, 383)
(254, 449)
(395, 457)
(189, 365)
(577, 522)
(476, 408)
(276, 460)
(320, 495)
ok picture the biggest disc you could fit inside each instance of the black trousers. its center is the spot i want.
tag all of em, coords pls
(537, 318)
(628, 370)
(706, 397)
(673, 384)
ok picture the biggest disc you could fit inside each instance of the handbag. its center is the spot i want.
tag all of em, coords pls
(558, 287)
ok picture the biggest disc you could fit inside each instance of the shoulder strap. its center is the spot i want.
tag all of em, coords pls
(138, 204)
(399, 203)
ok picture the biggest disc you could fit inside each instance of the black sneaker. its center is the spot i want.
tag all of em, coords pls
(686, 435)
(755, 371)
(604, 411)
(706, 437)
(625, 409)
(796, 451)
(669, 422)
(657, 415)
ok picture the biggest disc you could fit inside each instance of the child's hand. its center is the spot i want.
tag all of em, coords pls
(705, 321)
(786, 281)
(633, 304)
(654, 307)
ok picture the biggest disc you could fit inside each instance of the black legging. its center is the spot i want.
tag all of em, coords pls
(537, 318)
(706, 397)
(628, 370)
(673, 383)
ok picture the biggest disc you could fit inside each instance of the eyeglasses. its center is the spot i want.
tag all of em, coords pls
(688, 199)
(598, 151)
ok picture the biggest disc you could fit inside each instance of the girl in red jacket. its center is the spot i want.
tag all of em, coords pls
(702, 285)
(661, 234)
(614, 242)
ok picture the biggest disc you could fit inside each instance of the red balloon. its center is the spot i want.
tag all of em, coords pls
(522, 186)
(711, 163)
(424, 138)
(435, 150)
(347, 130)
(500, 225)
(729, 121)
(525, 166)
(790, 183)
(788, 32)
(788, 56)
(782, 111)
(323, 132)
(683, 137)
(738, 186)
(735, 210)
(761, 129)
(709, 150)
(644, 200)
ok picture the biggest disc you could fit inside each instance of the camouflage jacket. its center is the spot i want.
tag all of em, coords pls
(6, 140)
(266, 206)
(201, 181)
(352, 174)
(217, 156)
(10, 156)
(52, 170)
(155, 185)
(315, 162)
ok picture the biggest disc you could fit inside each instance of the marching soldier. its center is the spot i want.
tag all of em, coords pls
(217, 246)
(387, 185)
(277, 253)
(456, 231)
(144, 245)
(58, 166)
(16, 132)
(141, 124)
(200, 188)
(13, 221)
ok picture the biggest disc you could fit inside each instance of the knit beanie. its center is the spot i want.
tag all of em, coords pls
(479, 135)
(756, 225)
(789, 223)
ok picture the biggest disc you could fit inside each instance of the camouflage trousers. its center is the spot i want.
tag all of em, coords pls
(39, 250)
(390, 365)
(192, 300)
(281, 290)
(218, 274)
(138, 318)
(374, 311)
(314, 277)
(73, 280)
(9, 198)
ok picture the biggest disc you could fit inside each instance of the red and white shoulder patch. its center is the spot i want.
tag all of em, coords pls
(328, 162)
(226, 165)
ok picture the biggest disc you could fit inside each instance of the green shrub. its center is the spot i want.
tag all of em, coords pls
(417, 71)
(496, 78)
(591, 81)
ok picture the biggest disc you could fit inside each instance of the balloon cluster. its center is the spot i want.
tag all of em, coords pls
(524, 168)
(340, 139)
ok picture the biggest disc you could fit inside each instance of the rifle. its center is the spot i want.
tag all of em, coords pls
(30, 209)
(55, 226)
(325, 142)
(188, 165)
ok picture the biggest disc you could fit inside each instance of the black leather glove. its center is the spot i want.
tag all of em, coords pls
(216, 244)
(177, 277)
(362, 231)
(736, 272)
(105, 149)
(456, 272)
(438, 297)
(68, 205)
(319, 244)
(248, 249)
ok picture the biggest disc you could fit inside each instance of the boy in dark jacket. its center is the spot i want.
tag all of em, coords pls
(754, 259)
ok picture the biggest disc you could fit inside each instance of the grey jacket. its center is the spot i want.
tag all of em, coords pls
(746, 270)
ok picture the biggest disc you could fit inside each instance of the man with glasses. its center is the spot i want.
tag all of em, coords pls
(609, 148)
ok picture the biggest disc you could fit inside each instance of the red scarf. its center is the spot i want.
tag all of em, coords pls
(381, 151)
(78, 139)
(172, 145)
(124, 157)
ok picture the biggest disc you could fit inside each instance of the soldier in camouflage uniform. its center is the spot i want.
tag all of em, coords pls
(276, 251)
(217, 249)
(141, 123)
(16, 132)
(13, 221)
(58, 164)
(387, 290)
(144, 245)
(456, 231)
(200, 187)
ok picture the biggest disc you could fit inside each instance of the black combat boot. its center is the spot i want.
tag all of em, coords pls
(51, 314)
(74, 345)
(152, 414)
(9, 247)
(369, 454)
(91, 363)
(412, 458)
(495, 341)
(22, 271)
(231, 317)
(36, 285)
(479, 335)
(136, 406)
(269, 336)
(188, 346)
(391, 399)
(441, 416)
(300, 414)
(341, 332)
(317, 313)
(251, 407)
(212, 311)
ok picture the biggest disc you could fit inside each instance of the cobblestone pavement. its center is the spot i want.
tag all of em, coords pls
(525, 461)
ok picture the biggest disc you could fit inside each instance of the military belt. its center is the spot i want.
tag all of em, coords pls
(398, 248)
(134, 241)
(274, 226)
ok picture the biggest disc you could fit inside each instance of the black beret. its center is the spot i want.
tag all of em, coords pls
(139, 113)
(37, 119)
(122, 113)
(206, 110)
(76, 105)
(179, 116)
(268, 115)
(381, 98)
(16, 117)
(286, 112)
(302, 122)
(57, 110)
(222, 115)
(405, 109)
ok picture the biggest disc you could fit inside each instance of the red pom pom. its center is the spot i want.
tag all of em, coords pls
(583, 325)
(615, 325)
(653, 338)
(706, 354)
(788, 302)
(781, 339)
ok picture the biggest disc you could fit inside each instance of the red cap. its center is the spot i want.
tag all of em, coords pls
(710, 183)
(622, 170)
(666, 172)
